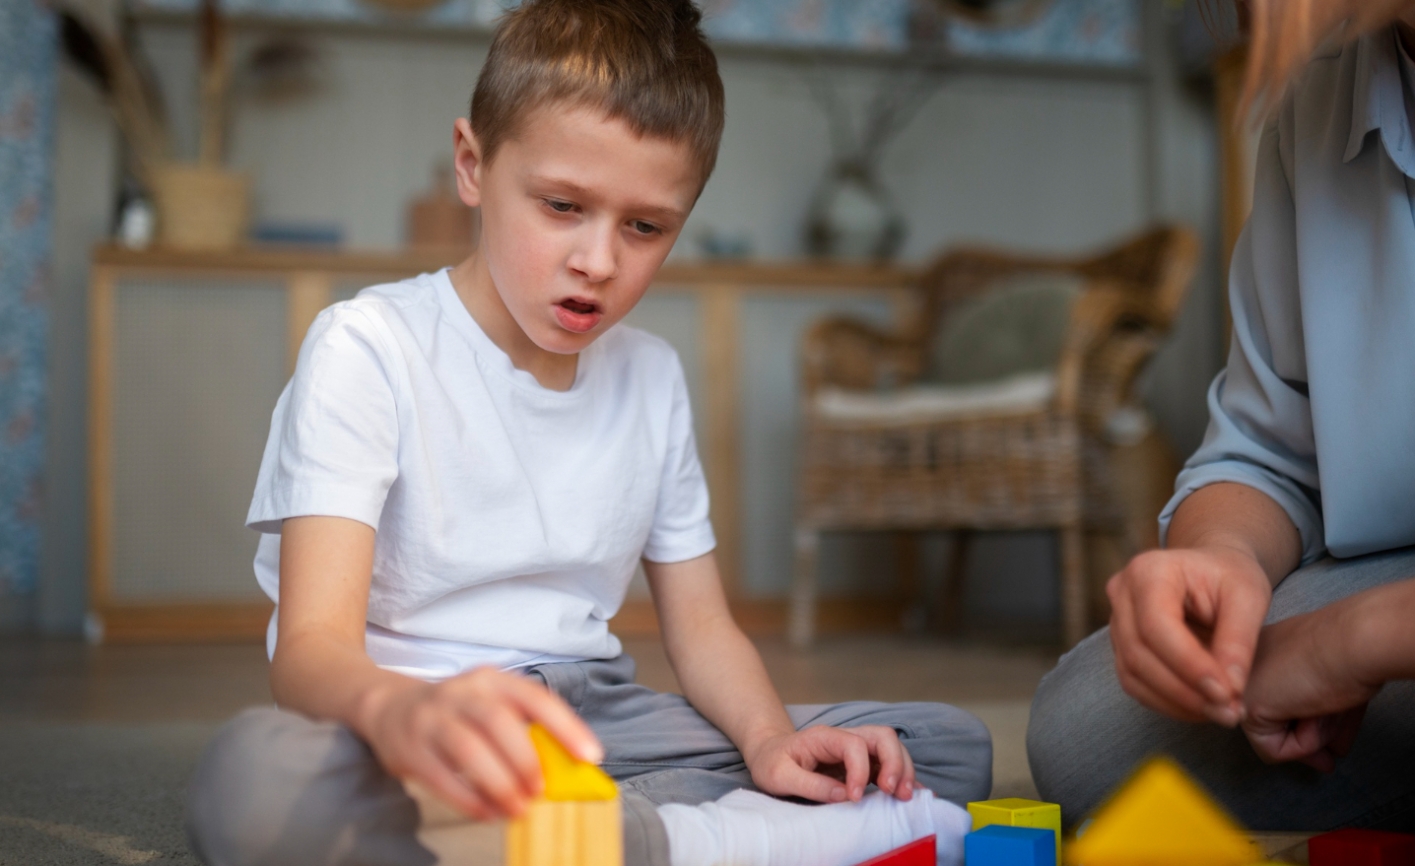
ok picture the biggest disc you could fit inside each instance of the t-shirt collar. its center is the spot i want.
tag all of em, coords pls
(1378, 100)
(491, 354)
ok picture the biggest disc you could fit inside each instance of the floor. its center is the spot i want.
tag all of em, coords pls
(96, 742)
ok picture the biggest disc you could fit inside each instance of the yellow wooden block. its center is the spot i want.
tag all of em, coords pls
(567, 777)
(1017, 812)
(1162, 818)
(560, 833)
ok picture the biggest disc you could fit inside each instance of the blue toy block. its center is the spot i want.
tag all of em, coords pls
(1001, 845)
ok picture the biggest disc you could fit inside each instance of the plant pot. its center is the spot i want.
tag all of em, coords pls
(200, 208)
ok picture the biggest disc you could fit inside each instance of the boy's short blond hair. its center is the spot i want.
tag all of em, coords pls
(645, 62)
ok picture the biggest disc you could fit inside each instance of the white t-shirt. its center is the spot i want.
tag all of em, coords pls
(510, 517)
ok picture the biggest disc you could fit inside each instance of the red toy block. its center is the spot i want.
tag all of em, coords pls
(1361, 848)
(920, 852)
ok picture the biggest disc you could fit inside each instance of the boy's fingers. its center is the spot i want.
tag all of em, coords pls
(796, 781)
(541, 705)
(852, 751)
(506, 733)
(895, 772)
(452, 789)
(476, 762)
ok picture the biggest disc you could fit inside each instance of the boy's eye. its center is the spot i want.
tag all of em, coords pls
(644, 228)
(559, 206)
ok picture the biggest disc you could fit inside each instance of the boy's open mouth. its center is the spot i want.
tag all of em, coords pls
(578, 315)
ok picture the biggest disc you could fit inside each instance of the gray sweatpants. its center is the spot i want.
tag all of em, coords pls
(277, 789)
(1086, 734)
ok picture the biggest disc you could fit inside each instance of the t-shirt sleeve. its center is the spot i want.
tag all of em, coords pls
(333, 444)
(681, 528)
(1260, 423)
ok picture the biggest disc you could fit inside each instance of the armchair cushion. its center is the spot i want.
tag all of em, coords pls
(922, 404)
(1017, 326)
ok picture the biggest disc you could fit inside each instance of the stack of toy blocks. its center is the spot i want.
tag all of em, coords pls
(1030, 815)
(576, 822)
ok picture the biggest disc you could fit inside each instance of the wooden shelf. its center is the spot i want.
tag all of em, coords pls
(393, 26)
(279, 261)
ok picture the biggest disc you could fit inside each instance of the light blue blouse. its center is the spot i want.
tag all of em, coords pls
(1316, 408)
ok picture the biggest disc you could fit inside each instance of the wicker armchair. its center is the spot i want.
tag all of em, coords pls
(996, 466)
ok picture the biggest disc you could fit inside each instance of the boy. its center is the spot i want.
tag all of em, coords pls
(460, 478)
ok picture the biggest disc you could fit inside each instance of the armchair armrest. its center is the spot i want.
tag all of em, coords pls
(1097, 318)
(848, 353)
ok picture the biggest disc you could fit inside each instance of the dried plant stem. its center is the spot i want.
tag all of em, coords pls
(215, 77)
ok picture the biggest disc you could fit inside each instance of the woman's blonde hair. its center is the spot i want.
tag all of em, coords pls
(1283, 35)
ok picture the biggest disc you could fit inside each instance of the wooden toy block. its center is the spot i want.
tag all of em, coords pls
(1016, 812)
(920, 852)
(576, 822)
(1361, 848)
(1003, 845)
(1162, 818)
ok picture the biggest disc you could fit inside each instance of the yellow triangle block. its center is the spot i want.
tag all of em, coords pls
(568, 778)
(1017, 812)
(1162, 818)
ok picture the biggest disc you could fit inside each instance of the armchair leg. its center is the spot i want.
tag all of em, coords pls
(1073, 585)
(801, 628)
(951, 604)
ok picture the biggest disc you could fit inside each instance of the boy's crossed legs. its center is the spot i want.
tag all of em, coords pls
(276, 788)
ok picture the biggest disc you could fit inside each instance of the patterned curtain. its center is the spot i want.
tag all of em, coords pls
(28, 58)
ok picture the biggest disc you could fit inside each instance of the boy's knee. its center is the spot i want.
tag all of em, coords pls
(275, 788)
(951, 749)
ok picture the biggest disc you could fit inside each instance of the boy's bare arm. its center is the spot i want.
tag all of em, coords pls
(722, 675)
(464, 738)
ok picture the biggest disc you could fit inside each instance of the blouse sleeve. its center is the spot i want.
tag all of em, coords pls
(1260, 418)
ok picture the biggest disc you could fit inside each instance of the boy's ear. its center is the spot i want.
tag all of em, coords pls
(467, 162)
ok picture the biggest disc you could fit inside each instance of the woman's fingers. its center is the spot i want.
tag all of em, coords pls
(1162, 626)
(1142, 675)
(1241, 612)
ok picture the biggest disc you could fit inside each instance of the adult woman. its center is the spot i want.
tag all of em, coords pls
(1310, 455)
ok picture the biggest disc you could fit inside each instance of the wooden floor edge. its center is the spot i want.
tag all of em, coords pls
(243, 622)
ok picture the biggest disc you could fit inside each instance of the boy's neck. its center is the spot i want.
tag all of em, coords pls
(473, 284)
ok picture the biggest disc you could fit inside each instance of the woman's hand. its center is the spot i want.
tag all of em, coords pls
(1309, 688)
(831, 765)
(466, 738)
(1185, 625)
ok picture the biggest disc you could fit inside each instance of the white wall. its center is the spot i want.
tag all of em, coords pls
(1057, 163)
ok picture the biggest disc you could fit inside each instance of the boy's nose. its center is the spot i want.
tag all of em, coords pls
(596, 258)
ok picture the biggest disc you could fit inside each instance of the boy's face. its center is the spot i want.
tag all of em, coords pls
(577, 215)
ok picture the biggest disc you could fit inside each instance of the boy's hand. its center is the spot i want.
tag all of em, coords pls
(1184, 627)
(831, 765)
(466, 738)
